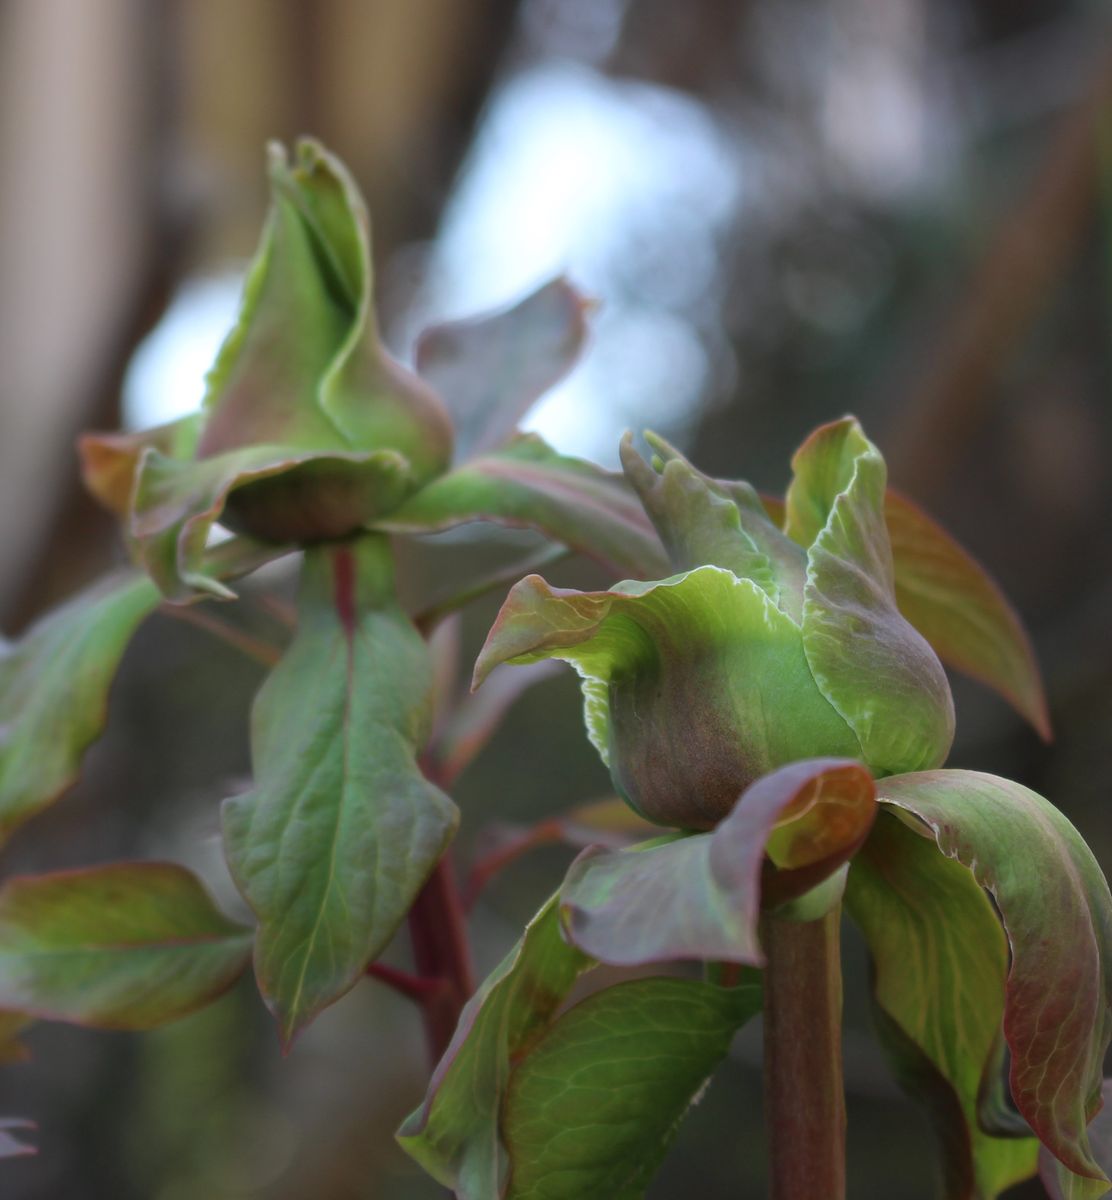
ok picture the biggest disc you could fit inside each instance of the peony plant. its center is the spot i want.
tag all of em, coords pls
(765, 684)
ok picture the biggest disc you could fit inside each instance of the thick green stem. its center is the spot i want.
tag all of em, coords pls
(805, 1113)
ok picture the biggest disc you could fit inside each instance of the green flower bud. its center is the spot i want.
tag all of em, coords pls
(770, 646)
(305, 369)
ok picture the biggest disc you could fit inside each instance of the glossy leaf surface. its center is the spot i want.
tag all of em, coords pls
(940, 960)
(455, 1134)
(867, 659)
(342, 829)
(596, 1102)
(123, 946)
(490, 369)
(694, 687)
(699, 897)
(954, 603)
(54, 686)
(529, 485)
(1057, 913)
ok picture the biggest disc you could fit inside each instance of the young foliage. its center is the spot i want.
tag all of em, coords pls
(342, 829)
(54, 691)
(123, 946)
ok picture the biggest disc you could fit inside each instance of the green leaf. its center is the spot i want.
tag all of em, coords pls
(54, 686)
(700, 897)
(867, 660)
(122, 946)
(342, 829)
(455, 1134)
(491, 369)
(264, 490)
(940, 962)
(527, 484)
(594, 1106)
(954, 603)
(1057, 913)
(694, 686)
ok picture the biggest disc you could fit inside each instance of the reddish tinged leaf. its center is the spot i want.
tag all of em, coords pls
(110, 461)
(122, 946)
(10, 1145)
(341, 831)
(490, 369)
(940, 960)
(526, 484)
(699, 897)
(954, 603)
(1057, 913)
(54, 691)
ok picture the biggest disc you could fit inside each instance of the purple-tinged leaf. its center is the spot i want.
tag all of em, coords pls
(955, 604)
(10, 1145)
(527, 484)
(110, 461)
(1062, 1184)
(1057, 913)
(122, 946)
(940, 961)
(599, 1097)
(54, 686)
(699, 897)
(455, 1134)
(342, 829)
(875, 669)
(490, 369)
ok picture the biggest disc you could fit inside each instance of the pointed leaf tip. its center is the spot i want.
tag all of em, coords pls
(342, 829)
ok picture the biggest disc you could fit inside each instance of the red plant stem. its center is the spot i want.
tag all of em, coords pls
(413, 987)
(441, 952)
(805, 1113)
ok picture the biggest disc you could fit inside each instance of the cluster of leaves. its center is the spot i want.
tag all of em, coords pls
(790, 633)
(765, 687)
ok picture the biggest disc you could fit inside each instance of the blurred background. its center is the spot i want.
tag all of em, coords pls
(788, 209)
